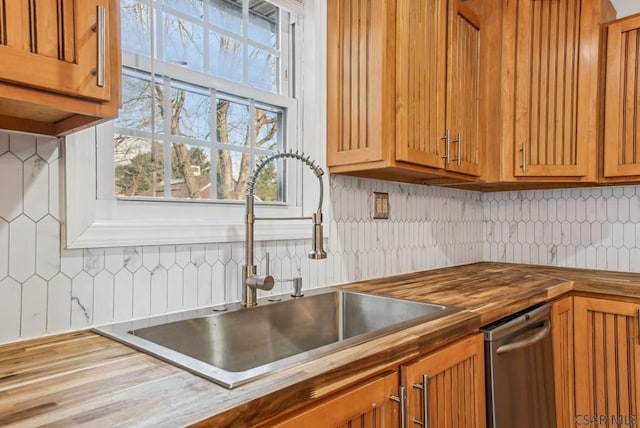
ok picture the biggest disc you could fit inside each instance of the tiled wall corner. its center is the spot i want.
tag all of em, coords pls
(45, 289)
(595, 228)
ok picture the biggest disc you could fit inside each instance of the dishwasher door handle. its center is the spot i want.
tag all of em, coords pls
(526, 342)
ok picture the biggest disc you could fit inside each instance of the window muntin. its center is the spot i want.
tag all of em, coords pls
(213, 100)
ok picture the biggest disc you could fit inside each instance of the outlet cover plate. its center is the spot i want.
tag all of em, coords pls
(380, 206)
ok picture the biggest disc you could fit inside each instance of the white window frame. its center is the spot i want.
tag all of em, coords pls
(95, 219)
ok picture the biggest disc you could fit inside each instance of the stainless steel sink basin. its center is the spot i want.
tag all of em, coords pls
(239, 345)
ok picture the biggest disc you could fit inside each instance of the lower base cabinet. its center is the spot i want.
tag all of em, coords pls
(607, 362)
(446, 389)
(596, 345)
(364, 406)
(453, 379)
(563, 367)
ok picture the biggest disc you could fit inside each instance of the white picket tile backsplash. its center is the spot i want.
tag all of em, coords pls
(22, 248)
(45, 289)
(586, 228)
(59, 304)
(11, 179)
(10, 309)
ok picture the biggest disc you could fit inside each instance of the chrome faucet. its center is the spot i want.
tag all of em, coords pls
(251, 281)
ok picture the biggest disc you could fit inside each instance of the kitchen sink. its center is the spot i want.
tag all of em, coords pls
(238, 345)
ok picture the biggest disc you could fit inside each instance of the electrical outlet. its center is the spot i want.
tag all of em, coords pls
(380, 205)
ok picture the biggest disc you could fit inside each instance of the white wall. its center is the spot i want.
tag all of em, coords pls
(45, 289)
(626, 7)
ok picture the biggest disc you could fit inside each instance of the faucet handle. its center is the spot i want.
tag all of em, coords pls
(265, 282)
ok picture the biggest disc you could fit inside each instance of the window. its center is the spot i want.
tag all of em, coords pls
(214, 96)
(246, 75)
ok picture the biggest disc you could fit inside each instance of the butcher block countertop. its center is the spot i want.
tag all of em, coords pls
(82, 378)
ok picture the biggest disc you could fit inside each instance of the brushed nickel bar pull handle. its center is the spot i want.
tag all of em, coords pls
(458, 140)
(402, 400)
(523, 151)
(424, 386)
(534, 338)
(425, 399)
(101, 29)
(447, 146)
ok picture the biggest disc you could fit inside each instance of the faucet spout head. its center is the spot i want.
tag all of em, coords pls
(317, 240)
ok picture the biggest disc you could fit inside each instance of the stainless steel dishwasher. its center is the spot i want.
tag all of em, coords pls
(519, 370)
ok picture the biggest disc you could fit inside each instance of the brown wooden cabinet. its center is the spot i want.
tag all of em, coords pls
(447, 387)
(61, 64)
(607, 360)
(621, 145)
(464, 112)
(551, 53)
(403, 90)
(562, 337)
(364, 406)
(454, 378)
(438, 83)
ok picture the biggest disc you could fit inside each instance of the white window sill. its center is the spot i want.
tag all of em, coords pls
(110, 233)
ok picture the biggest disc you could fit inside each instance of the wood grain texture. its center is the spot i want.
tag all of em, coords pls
(607, 358)
(388, 65)
(53, 87)
(81, 378)
(364, 406)
(547, 96)
(455, 383)
(361, 86)
(464, 112)
(488, 289)
(551, 60)
(562, 336)
(622, 99)
(422, 32)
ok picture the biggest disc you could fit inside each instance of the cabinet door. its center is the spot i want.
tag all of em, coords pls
(554, 55)
(365, 406)
(562, 336)
(454, 380)
(622, 102)
(607, 360)
(58, 45)
(463, 97)
(421, 81)
(360, 89)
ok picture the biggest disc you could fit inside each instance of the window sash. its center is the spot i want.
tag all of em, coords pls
(96, 219)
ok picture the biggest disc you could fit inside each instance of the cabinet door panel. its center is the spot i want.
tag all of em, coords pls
(360, 93)
(622, 100)
(422, 81)
(607, 358)
(551, 87)
(464, 89)
(365, 406)
(562, 332)
(456, 395)
(40, 41)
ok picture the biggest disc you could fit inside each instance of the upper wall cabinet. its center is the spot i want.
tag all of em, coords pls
(543, 92)
(622, 101)
(60, 64)
(403, 90)
(551, 55)
(438, 85)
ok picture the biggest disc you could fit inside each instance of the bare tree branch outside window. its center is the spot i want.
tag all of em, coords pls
(178, 138)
